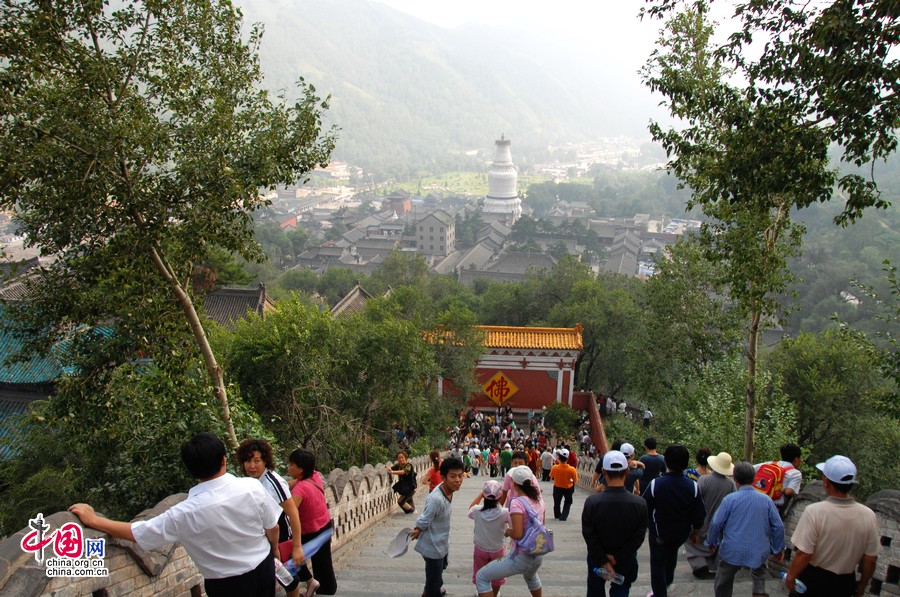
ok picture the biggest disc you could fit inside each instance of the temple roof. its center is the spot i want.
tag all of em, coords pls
(527, 337)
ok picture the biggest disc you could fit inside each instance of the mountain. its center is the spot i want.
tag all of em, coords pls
(410, 96)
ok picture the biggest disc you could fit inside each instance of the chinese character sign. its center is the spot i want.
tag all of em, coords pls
(499, 388)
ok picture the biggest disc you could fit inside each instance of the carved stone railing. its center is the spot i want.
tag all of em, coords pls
(357, 499)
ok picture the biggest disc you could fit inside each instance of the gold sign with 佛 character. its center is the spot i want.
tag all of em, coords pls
(499, 388)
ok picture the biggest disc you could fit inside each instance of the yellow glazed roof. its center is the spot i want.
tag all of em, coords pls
(498, 336)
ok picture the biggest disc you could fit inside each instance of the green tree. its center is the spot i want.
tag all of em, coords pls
(708, 410)
(610, 317)
(122, 460)
(135, 138)
(749, 164)
(685, 323)
(829, 68)
(844, 403)
(562, 419)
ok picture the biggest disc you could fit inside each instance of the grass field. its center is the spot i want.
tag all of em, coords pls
(460, 183)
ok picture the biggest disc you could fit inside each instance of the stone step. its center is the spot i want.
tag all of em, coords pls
(363, 568)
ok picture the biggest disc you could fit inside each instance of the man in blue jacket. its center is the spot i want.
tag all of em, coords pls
(676, 514)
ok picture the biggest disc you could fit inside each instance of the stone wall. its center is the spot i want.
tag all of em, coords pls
(357, 499)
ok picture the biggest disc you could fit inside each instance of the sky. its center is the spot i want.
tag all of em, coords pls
(607, 33)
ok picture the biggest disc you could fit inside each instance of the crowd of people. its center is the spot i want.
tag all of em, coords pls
(727, 515)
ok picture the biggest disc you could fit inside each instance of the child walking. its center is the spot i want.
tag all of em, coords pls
(491, 520)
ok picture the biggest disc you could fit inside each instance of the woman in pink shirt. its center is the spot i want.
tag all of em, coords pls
(308, 492)
(514, 562)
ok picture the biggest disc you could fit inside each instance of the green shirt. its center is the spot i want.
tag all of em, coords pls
(506, 458)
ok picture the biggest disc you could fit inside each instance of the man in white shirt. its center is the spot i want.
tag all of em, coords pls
(228, 525)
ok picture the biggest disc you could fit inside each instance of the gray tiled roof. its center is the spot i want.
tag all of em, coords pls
(228, 305)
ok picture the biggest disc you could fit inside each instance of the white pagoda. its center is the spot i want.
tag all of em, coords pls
(502, 201)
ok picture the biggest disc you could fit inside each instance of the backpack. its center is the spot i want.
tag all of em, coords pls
(769, 479)
(536, 540)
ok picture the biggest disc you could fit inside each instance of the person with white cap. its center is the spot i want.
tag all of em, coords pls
(564, 477)
(521, 511)
(704, 561)
(614, 525)
(834, 537)
(491, 521)
(635, 470)
(746, 530)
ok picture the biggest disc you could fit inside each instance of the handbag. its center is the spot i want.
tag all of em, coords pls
(537, 540)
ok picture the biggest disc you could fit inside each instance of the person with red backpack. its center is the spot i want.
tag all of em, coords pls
(780, 479)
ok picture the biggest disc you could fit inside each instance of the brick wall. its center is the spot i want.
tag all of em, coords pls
(357, 499)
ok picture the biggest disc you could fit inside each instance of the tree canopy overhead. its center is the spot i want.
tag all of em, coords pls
(135, 138)
(831, 68)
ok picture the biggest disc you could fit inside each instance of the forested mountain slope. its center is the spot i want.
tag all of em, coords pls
(410, 96)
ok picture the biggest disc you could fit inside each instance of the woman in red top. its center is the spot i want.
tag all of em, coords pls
(433, 476)
(308, 492)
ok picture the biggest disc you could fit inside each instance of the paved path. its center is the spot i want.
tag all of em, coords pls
(364, 569)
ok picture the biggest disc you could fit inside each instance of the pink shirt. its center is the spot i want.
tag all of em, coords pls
(313, 510)
(516, 507)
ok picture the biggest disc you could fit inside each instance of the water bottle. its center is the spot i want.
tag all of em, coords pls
(799, 587)
(614, 578)
(282, 574)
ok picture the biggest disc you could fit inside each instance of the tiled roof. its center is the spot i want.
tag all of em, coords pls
(11, 409)
(11, 269)
(521, 337)
(520, 263)
(228, 305)
(43, 369)
(354, 302)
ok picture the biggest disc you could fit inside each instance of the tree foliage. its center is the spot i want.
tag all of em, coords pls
(749, 163)
(135, 139)
(112, 439)
(844, 403)
(830, 69)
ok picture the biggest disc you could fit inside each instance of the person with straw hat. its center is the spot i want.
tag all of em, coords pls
(713, 488)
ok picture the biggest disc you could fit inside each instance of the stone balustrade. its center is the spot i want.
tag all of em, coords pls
(357, 499)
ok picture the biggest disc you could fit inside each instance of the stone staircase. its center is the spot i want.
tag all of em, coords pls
(363, 568)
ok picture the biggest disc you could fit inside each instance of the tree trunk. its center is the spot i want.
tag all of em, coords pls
(212, 366)
(750, 413)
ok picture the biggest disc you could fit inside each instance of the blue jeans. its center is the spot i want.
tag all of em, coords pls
(596, 586)
(514, 563)
(434, 575)
(663, 558)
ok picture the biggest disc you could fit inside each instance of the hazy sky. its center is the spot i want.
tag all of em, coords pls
(608, 33)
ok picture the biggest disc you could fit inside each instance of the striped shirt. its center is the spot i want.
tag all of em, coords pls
(278, 488)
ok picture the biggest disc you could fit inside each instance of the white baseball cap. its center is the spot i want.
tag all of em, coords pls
(627, 450)
(520, 474)
(563, 453)
(615, 460)
(506, 446)
(838, 469)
